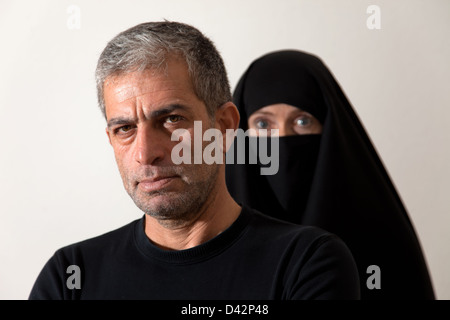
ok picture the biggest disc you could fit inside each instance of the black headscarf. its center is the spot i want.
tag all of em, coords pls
(334, 180)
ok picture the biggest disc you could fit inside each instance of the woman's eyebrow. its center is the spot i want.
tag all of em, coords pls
(267, 113)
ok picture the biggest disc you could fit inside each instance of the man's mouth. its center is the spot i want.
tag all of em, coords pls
(155, 183)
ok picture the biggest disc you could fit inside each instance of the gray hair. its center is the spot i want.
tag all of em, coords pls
(146, 45)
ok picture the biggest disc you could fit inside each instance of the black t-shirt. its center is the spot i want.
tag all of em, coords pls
(256, 258)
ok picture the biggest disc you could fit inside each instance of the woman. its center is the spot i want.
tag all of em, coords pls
(329, 172)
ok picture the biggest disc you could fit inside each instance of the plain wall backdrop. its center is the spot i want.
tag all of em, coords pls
(58, 178)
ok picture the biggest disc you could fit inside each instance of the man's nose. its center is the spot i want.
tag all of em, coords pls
(150, 146)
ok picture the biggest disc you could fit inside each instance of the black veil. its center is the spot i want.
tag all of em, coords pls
(335, 180)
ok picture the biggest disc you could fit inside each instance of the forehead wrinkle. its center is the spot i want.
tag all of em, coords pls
(138, 89)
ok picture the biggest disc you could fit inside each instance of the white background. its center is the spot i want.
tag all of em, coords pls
(58, 179)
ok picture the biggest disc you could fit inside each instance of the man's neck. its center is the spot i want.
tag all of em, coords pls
(216, 215)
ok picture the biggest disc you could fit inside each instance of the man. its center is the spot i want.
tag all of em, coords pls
(193, 241)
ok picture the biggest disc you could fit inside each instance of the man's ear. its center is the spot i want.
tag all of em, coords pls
(227, 121)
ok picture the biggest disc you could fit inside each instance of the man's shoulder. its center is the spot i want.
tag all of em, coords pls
(278, 230)
(265, 221)
(310, 254)
(109, 240)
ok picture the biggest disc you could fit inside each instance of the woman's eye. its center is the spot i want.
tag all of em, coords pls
(262, 124)
(302, 121)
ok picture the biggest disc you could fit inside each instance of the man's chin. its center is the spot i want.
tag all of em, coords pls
(166, 205)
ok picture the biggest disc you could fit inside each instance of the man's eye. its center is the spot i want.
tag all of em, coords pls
(173, 118)
(123, 129)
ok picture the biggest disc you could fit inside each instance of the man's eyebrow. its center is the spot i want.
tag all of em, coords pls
(167, 110)
(155, 114)
(118, 121)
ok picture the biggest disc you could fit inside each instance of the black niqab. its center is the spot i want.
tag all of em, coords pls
(335, 180)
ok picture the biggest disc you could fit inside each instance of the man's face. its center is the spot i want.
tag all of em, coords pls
(142, 111)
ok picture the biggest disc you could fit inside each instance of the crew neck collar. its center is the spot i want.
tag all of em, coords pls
(195, 254)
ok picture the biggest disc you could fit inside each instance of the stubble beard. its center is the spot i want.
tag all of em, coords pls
(181, 206)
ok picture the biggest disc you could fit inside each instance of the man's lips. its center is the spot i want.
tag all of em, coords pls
(155, 183)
